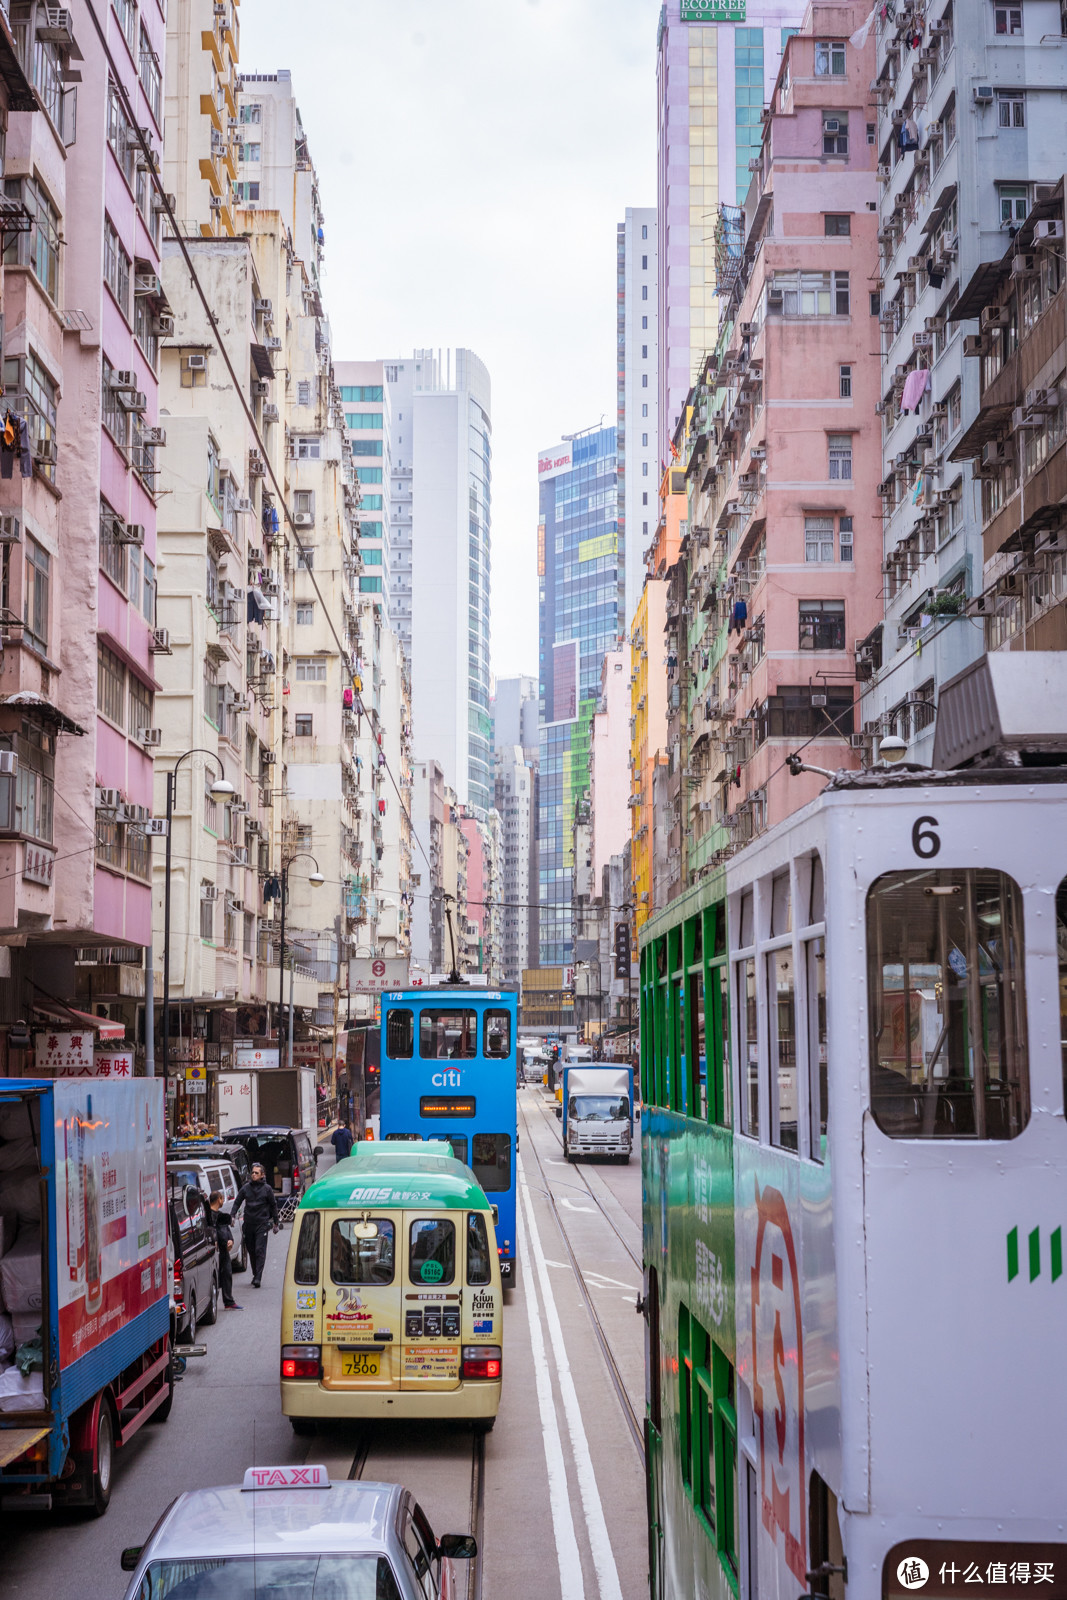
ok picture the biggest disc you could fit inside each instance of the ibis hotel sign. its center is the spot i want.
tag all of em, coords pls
(713, 10)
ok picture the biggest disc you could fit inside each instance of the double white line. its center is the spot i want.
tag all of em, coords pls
(572, 1583)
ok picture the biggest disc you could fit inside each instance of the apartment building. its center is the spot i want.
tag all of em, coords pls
(969, 129)
(515, 805)
(483, 833)
(648, 733)
(428, 818)
(637, 425)
(368, 422)
(204, 135)
(395, 896)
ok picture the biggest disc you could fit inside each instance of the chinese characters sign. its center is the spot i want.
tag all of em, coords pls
(713, 10)
(958, 1568)
(65, 1055)
(37, 865)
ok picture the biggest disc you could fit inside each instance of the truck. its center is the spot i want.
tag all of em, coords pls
(85, 1357)
(276, 1096)
(597, 1111)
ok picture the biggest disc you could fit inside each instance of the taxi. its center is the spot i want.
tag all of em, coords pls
(290, 1530)
(392, 1303)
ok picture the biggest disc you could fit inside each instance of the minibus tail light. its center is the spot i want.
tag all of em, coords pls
(481, 1361)
(301, 1361)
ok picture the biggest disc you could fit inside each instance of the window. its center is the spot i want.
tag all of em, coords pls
(302, 725)
(370, 586)
(844, 526)
(491, 1161)
(250, 152)
(207, 915)
(1011, 110)
(497, 1035)
(305, 559)
(140, 708)
(845, 382)
(306, 1266)
(305, 615)
(448, 1035)
(39, 248)
(400, 1035)
(151, 78)
(28, 799)
(948, 1053)
(367, 447)
(818, 538)
(32, 393)
(246, 190)
(835, 133)
(840, 449)
(1014, 203)
(120, 136)
(359, 1257)
(748, 1051)
(359, 393)
(818, 1089)
(479, 1261)
(813, 294)
(249, 114)
(365, 419)
(110, 685)
(306, 448)
(1008, 20)
(822, 624)
(644, 322)
(310, 669)
(829, 58)
(644, 230)
(837, 225)
(432, 1251)
(781, 1000)
(644, 291)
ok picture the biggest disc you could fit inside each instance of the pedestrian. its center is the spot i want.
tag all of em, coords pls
(261, 1212)
(342, 1141)
(224, 1234)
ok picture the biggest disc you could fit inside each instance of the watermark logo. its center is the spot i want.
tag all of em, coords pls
(913, 1573)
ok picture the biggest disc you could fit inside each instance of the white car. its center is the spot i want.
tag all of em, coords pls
(290, 1530)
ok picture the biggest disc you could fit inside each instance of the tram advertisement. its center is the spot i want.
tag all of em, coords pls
(110, 1208)
(778, 1378)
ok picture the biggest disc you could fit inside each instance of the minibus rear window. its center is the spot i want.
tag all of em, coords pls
(356, 1260)
(306, 1269)
(479, 1262)
(491, 1161)
(432, 1251)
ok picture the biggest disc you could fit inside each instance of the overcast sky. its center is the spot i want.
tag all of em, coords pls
(475, 157)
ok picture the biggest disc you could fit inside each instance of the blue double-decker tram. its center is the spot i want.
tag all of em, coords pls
(448, 1072)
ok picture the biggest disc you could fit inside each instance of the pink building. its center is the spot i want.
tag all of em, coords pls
(81, 354)
(609, 767)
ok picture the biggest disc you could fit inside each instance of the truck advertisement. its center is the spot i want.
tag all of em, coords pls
(110, 1209)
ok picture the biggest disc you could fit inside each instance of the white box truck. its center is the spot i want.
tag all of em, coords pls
(598, 1111)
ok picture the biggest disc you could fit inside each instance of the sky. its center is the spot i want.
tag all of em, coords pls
(475, 158)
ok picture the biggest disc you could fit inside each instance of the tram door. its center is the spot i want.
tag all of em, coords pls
(654, 1439)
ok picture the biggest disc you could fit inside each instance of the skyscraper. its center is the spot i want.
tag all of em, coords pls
(637, 303)
(368, 425)
(713, 80)
(439, 516)
(578, 580)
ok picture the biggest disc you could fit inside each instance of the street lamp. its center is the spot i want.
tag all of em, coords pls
(316, 881)
(220, 790)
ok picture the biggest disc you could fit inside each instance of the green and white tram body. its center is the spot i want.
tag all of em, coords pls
(854, 1161)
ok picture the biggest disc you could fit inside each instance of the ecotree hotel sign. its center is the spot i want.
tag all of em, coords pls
(713, 10)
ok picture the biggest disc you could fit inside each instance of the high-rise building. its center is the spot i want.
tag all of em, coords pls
(713, 80)
(515, 715)
(637, 310)
(578, 579)
(515, 800)
(203, 132)
(365, 399)
(440, 517)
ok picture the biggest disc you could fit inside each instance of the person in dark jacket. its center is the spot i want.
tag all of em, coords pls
(224, 1234)
(261, 1212)
(341, 1139)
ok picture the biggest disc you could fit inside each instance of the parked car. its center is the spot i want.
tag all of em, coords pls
(213, 1150)
(290, 1529)
(195, 1272)
(212, 1175)
(288, 1160)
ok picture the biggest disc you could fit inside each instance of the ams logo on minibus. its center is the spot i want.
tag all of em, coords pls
(778, 1378)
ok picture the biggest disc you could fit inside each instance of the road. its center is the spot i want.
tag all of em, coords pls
(558, 1499)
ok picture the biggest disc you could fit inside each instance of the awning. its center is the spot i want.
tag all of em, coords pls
(984, 283)
(989, 422)
(938, 209)
(261, 361)
(56, 1011)
(37, 709)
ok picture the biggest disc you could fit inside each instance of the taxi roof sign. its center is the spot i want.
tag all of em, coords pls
(307, 1477)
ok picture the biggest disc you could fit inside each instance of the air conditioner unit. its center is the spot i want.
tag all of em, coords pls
(253, 825)
(935, 324)
(1024, 266)
(240, 855)
(274, 344)
(775, 297)
(993, 317)
(747, 480)
(271, 413)
(953, 493)
(215, 203)
(746, 329)
(9, 763)
(160, 644)
(195, 361)
(922, 341)
(975, 345)
(998, 453)
(260, 388)
(267, 758)
(831, 125)
(916, 263)
(885, 172)
(1044, 400)
(263, 308)
(154, 436)
(163, 325)
(884, 490)
(150, 736)
(758, 452)
(879, 408)
(983, 94)
(1043, 191)
(54, 26)
(209, 891)
(858, 741)
(107, 799)
(133, 400)
(1023, 417)
(1048, 230)
(127, 532)
(146, 284)
(44, 449)
(304, 519)
(10, 530)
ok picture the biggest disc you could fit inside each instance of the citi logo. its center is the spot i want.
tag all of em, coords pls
(452, 1079)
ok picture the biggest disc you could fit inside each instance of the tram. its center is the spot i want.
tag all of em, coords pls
(854, 1159)
(448, 1071)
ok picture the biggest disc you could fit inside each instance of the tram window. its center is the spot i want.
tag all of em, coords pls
(432, 1251)
(1061, 950)
(306, 1268)
(747, 934)
(748, 1046)
(497, 1040)
(697, 1051)
(703, 1428)
(728, 1532)
(448, 1035)
(402, 1138)
(655, 1401)
(354, 1259)
(818, 1084)
(824, 1540)
(400, 1035)
(781, 991)
(722, 1113)
(491, 1160)
(816, 895)
(781, 905)
(685, 1397)
(458, 1141)
(479, 1262)
(948, 1054)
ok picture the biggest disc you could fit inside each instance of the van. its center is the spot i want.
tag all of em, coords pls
(392, 1304)
(286, 1155)
(212, 1176)
(195, 1265)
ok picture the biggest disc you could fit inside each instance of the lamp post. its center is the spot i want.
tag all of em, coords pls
(220, 790)
(316, 881)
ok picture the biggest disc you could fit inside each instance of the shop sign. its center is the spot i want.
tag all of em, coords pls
(37, 865)
(113, 1063)
(65, 1055)
(713, 10)
(371, 977)
(307, 1052)
(247, 1055)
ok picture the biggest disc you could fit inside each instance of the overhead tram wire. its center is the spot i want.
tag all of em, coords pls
(156, 181)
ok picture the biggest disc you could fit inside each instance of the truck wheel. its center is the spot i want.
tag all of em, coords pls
(104, 1454)
(303, 1427)
(211, 1315)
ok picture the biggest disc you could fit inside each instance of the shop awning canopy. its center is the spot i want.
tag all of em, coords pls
(56, 1011)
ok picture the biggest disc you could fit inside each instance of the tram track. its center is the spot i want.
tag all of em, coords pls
(587, 1186)
(630, 1417)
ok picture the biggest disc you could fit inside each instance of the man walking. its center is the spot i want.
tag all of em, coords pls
(261, 1212)
(224, 1234)
(341, 1139)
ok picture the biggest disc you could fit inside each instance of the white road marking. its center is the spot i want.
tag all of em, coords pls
(565, 1265)
(572, 1205)
(617, 1283)
(549, 1162)
(596, 1525)
(571, 1583)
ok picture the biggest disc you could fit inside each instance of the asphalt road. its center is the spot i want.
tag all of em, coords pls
(562, 1486)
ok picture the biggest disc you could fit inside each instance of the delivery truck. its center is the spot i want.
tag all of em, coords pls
(597, 1110)
(85, 1355)
(275, 1096)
